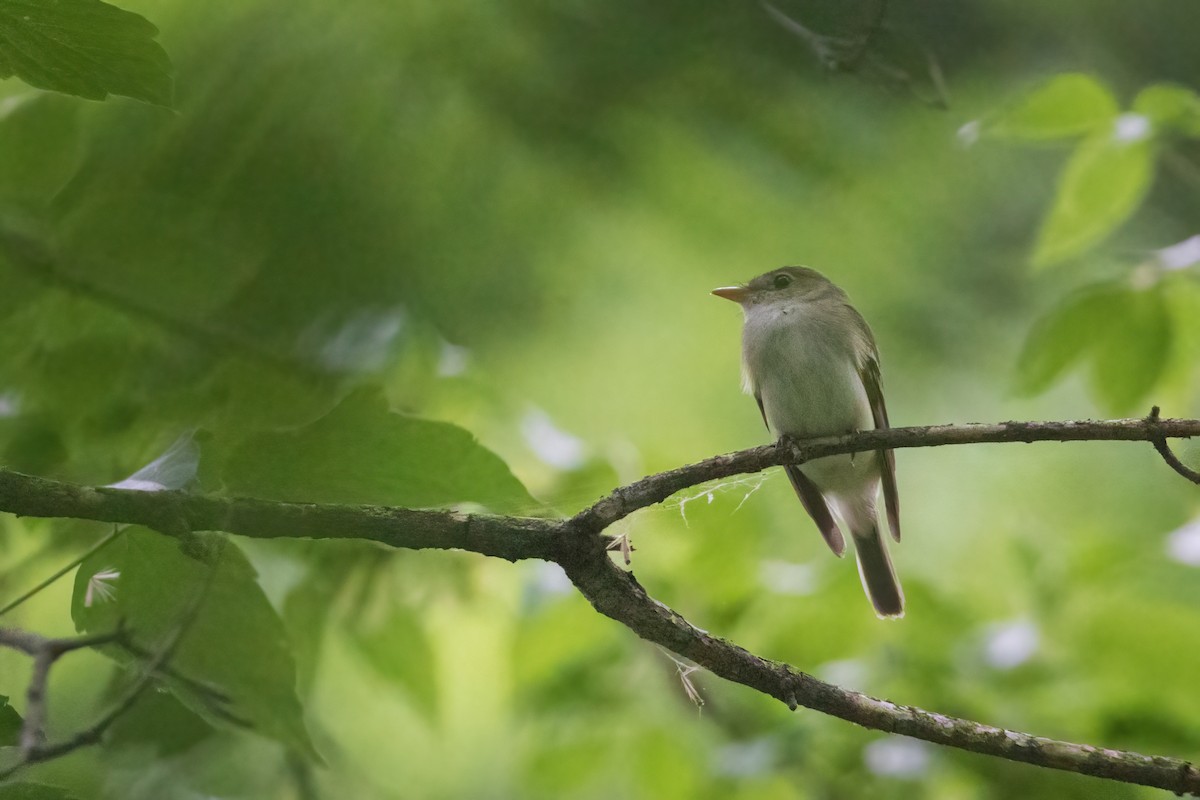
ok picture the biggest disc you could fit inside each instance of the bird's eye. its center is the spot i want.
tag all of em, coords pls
(782, 280)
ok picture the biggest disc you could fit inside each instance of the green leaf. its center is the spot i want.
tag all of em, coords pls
(1065, 335)
(361, 452)
(235, 644)
(310, 608)
(243, 397)
(1136, 348)
(1067, 105)
(1102, 184)
(1171, 107)
(33, 791)
(40, 146)
(158, 249)
(83, 47)
(1123, 332)
(10, 723)
(398, 647)
(158, 723)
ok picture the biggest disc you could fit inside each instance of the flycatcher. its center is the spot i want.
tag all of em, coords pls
(810, 360)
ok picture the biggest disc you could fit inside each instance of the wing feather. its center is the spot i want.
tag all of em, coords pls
(873, 383)
(811, 499)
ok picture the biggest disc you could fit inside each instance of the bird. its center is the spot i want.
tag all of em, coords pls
(810, 360)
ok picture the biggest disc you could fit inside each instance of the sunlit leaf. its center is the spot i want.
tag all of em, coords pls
(1102, 184)
(1124, 333)
(1065, 335)
(83, 47)
(10, 723)
(1135, 349)
(1068, 105)
(1172, 107)
(363, 453)
(235, 644)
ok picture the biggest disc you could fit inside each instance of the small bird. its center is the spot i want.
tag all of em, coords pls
(810, 360)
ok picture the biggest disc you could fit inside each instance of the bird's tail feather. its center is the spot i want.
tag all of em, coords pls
(878, 577)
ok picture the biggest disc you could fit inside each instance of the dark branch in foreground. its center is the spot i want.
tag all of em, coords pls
(45, 652)
(654, 489)
(577, 544)
(1164, 450)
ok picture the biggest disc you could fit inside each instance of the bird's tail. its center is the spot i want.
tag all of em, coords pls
(878, 577)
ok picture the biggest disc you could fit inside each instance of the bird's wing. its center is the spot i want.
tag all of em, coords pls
(873, 383)
(811, 499)
(816, 507)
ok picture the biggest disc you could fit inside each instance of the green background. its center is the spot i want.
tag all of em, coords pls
(366, 232)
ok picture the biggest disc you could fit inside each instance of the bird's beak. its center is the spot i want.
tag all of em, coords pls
(735, 293)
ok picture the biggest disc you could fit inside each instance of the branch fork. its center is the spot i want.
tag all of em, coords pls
(581, 547)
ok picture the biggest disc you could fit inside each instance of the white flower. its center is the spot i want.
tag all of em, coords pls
(1132, 128)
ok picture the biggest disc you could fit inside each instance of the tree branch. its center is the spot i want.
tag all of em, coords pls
(579, 546)
(175, 512)
(45, 652)
(859, 53)
(1164, 450)
(617, 594)
(654, 489)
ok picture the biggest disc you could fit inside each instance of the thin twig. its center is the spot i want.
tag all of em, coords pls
(617, 594)
(96, 548)
(836, 54)
(648, 491)
(1160, 444)
(513, 538)
(578, 545)
(33, 748)
(214, 699)
(857, 54)
(44, 651)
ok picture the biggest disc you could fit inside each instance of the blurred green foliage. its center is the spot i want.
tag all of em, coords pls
(10, 724)
(456, 253)
(147, 582)
(33, 791)
(1109, 173)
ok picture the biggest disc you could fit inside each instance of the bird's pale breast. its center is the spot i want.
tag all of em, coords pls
(806, 374)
